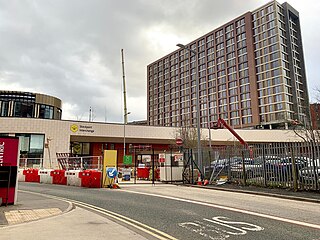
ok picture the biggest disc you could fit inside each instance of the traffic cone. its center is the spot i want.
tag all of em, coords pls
(199, 179)
(115, 186)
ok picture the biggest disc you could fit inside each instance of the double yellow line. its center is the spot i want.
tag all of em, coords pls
(123, 219)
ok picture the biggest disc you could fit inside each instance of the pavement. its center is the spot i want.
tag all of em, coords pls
(18, 221)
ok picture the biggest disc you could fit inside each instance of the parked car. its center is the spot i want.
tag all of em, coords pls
(311, 173)
(280, 169)
(222, 166)
(252, 166)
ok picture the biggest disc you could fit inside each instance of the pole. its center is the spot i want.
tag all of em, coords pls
(209, 127)
(198, 115)
(195, 53)
(125, 114)
(152, 166)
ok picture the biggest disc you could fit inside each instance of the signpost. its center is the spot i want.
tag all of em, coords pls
(162, 157)
(179, 141)
(112, 172)
(127, 160)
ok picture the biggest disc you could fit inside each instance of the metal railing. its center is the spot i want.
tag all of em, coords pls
(287, 165)
(66, 163)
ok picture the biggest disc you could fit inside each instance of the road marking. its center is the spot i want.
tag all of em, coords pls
(311, 225)
(127, 221)
(211, 230)
(241, 230)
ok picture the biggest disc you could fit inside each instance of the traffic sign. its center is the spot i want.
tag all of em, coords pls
(162, 157)
(179, 141)
(112, 172)
(127, 159)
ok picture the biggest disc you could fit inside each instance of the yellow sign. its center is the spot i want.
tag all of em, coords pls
(109, 160)
(74, 128)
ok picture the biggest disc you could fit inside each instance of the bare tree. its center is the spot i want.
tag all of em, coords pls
(188, 134)
(307, 131)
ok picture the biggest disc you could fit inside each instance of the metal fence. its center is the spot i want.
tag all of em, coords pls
(287, 165)
(65, 162)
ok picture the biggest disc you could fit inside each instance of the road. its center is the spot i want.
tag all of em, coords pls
(191, 213)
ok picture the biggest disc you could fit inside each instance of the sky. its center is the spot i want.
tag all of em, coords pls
(71, 49)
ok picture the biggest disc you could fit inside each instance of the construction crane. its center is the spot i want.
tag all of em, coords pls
(220, 123)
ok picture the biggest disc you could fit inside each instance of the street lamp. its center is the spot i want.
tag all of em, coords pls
(125, 121)
(195, 53)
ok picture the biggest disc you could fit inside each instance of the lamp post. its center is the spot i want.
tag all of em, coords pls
(125, 121)
(195, 53)
(208, 124)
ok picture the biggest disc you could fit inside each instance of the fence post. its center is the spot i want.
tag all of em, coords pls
(41, 163)
(244, 169)
(229, 163)
(191, 162)
(294, 170)
(264, 165)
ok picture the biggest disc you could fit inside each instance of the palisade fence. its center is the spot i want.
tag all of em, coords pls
(287, 165)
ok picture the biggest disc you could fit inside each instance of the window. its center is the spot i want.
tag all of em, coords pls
(22, 109)
(80, 149)
(31, 146)
(36, 145)
(4, 109)
(46, 112)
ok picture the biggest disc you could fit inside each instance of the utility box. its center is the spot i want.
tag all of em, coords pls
(171, 167)
(9, 155)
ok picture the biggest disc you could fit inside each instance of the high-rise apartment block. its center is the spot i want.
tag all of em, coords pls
(315, 115)
(251, 73)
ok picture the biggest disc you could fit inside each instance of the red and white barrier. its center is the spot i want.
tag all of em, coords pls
(31, 175)
(79, 178)
(21, 176)
(73, 178)
(45, 176)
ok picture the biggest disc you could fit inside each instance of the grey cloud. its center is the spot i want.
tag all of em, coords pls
(71, 49)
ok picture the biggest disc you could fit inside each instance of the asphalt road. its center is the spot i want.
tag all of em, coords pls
(183, 219)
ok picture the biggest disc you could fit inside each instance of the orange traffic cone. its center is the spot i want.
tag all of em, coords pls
(115, 186)
(199, 179)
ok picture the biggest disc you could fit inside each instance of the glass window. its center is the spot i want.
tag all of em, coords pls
(36, 144)
(22, 109)
(4, 109)
(31, 146)
(46, 112)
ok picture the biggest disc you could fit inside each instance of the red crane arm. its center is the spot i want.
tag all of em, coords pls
(223, 122)
(243, 142)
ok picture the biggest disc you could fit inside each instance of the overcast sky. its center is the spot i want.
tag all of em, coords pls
(71, 49)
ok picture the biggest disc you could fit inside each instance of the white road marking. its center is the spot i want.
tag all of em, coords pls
(213, 232)
(127, 221)
(311, 225)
